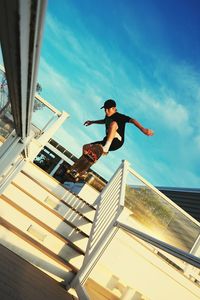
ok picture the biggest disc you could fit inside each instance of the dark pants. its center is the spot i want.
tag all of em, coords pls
(116, 144)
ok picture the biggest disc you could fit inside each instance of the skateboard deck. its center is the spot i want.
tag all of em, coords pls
(79, 169)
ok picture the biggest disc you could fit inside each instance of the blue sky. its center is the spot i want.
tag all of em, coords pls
(145, 55)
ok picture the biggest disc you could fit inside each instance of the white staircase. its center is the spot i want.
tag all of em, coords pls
(45, 223)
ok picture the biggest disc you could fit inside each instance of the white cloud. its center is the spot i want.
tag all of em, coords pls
(174, 114)
(66, 139)
(82, 49)
(61, 88)
(186, 78)
(180, 81)
(167, 111)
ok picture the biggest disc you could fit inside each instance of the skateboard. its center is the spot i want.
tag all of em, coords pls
(78, 171)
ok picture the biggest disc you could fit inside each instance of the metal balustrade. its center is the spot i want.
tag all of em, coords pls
(110, 204)
(109, 218)
(162, 223)
(44, 115)
(164, 219)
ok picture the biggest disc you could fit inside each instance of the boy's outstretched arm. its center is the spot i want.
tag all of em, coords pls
(88, 122)
(146, 131)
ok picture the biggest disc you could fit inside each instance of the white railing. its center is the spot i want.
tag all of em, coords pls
(186, 257)
(44, 121)
(45, 115)
(109, 206)
(191, 259)
(47, 104)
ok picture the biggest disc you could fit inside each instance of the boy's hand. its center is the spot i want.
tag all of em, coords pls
(148, 132)
(88, 123)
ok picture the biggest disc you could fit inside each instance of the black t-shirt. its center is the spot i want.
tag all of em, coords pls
(121, 121)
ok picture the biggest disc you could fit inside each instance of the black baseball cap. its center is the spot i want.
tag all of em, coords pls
(109, 103)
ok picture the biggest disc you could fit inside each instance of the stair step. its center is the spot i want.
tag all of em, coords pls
(30, 185)
(74, 220)
(48, 216)
(32, 227)
(35, 253)
(50, 183)
(58, 192)
(63, 211)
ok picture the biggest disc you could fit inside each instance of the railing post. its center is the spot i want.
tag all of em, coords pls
(125, 168)
(189, 270)
(81, 292)
(37, 144)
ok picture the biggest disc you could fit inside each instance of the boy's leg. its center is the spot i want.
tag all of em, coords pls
(116, 144)
(86, 148)
(112, 132)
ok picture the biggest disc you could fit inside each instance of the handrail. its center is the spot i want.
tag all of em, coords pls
(47, 104)
(189, 258)
(55, 111)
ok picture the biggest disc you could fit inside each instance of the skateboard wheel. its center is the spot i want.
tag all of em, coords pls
(73, 173)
